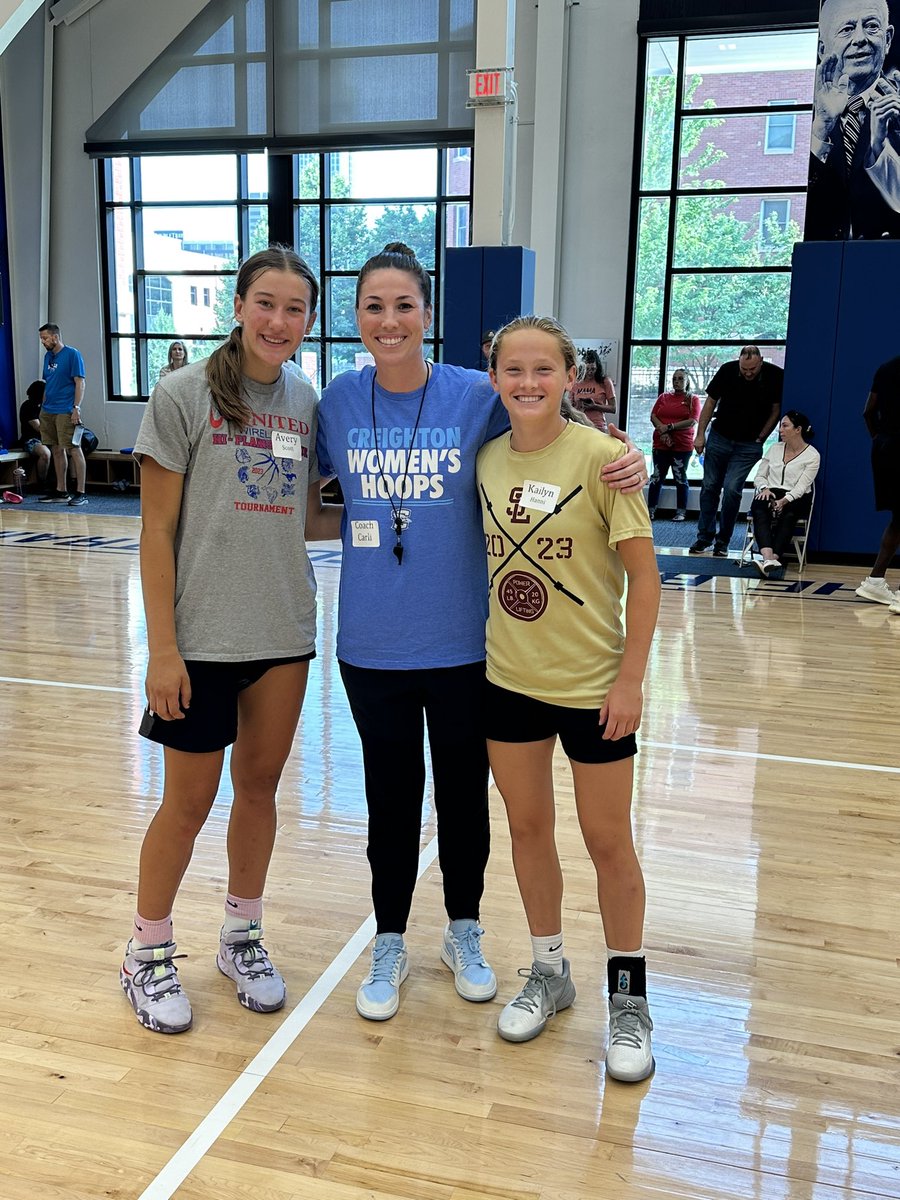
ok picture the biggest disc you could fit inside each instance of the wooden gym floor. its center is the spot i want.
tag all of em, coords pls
(766, 815)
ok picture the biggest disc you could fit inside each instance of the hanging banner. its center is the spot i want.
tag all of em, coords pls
(854, 163)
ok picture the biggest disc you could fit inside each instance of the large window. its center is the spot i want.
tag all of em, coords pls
(720, 203)
(176, 227)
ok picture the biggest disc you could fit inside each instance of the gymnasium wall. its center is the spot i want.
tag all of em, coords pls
(102, 53)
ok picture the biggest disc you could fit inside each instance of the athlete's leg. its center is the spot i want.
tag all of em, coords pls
(523, 772)
(603, 802)
(189, 788)
(268, 712)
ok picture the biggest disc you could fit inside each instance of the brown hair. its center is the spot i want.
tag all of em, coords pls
(224, 367)
(397, 256)
(566, 349)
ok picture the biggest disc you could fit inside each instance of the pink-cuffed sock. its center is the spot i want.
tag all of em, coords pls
(240, 912)
(151, 933)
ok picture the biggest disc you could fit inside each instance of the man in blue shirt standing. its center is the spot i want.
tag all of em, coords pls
(61, 414)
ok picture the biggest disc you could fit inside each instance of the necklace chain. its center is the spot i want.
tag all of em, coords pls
(397, 520)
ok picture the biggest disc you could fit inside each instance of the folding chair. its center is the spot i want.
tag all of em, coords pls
(798, 541)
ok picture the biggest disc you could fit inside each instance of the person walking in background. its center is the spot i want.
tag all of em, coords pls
(229, 491)
(594, 393)
(882, 418)
(560, 664)
(63, 376)
(673, 417)
(178, 357)
(784, 490)
(745, 399)
(402, 437)
(30, 426)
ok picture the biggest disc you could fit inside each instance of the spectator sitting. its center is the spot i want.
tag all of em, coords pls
(178, 357)
(784, 484)
(673, 417)
(30, 423)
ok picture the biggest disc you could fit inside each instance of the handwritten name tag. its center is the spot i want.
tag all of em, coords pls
(542, 496)
(286, 445)
(365, 534)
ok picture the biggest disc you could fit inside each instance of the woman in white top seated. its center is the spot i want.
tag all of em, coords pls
(784, 484)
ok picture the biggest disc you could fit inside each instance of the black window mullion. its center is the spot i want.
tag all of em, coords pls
(673, 207)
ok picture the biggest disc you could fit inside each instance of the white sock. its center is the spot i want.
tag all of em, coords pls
(624, 953)
(548, 951)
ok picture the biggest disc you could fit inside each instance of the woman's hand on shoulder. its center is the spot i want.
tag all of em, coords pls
(628, 473)
(167, 686)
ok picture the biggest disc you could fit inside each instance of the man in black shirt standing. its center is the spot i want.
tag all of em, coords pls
(882, 418)
(745, 398)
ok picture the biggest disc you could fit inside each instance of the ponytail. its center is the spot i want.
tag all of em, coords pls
(225, 376)
(225, 366)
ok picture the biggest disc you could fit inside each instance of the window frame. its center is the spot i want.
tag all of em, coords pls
(283, 210)
(665, 347)
(768, 148)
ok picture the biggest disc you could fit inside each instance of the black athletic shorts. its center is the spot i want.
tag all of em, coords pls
(512, 717)
(211, 722)
(886, 472)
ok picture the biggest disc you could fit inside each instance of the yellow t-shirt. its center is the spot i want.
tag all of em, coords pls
(554, 627)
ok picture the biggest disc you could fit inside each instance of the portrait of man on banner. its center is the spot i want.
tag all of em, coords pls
(854, 166)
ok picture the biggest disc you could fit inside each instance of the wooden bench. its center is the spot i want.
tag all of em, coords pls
(9, 460)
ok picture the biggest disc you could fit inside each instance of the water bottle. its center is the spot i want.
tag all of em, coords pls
(19, 482)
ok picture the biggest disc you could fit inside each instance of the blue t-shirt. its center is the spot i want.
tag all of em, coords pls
(60, 373)
(430, 610)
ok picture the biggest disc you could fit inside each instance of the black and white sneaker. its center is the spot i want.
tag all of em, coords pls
(77, 500)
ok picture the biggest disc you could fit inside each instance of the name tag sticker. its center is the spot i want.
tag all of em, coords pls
(542, 496)
(365, 534)
(286, 445)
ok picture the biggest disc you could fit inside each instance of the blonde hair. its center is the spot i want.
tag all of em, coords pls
(564, 343)
(172, 346)
(225, 366)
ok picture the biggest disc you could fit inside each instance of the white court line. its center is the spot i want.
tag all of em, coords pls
(87, 687)
(840, 764)
(785, 758)
(211, 1127)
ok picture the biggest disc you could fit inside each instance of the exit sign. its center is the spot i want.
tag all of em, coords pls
(489, 85)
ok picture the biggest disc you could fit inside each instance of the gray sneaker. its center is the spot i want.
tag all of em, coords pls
(629, 1057)
(543, 996)
(149, 979)
(243, 958)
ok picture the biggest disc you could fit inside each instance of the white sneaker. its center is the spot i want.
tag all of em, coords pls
(629, 1057)
(543, 996)
(878, 590)
(378, 997)
(243, 958)
(149, 979)
(461, 952)
(895, 607)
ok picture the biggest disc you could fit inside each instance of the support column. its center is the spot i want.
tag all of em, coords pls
(549, 150)
(495, 131)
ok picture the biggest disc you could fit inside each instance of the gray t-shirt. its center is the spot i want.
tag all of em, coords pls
(244, 585)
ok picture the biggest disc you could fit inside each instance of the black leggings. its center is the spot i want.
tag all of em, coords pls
(390, 709)
(776, 530)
